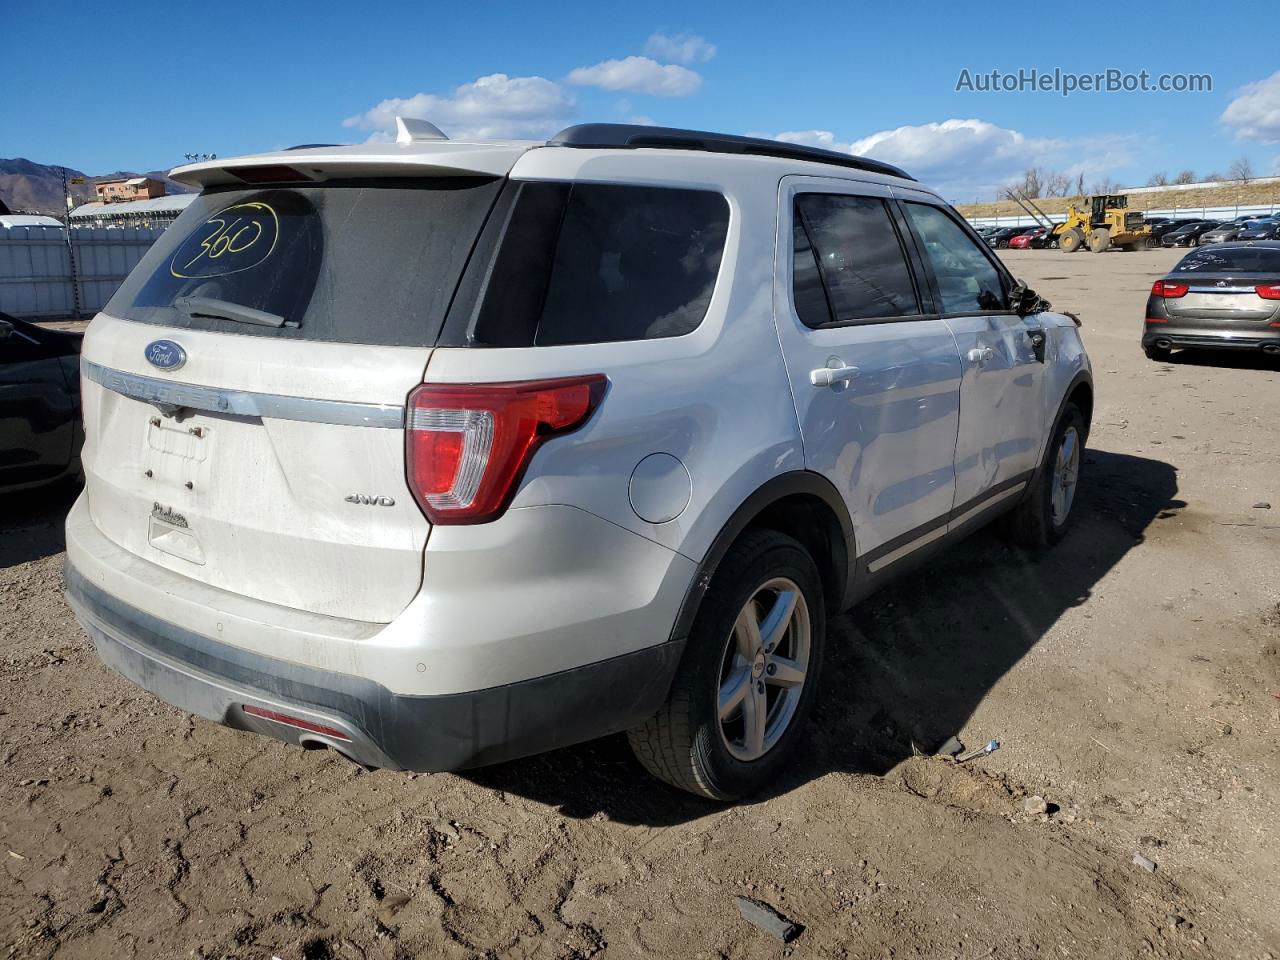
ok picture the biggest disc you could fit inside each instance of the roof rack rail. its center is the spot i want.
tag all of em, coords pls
(599, 135)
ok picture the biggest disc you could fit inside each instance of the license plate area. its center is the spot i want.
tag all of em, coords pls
(185, 440)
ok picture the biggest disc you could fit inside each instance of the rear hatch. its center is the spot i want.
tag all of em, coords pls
(244, 389)
(1223, 284)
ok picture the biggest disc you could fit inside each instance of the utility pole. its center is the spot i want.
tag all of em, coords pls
(71, 249)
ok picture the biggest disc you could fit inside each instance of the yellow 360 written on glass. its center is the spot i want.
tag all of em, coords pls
(236, 238)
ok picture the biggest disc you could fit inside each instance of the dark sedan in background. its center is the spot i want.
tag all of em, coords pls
(1187, 235)
(1223, 296)
(1260, 230)
(40, 427)
(1162, 225)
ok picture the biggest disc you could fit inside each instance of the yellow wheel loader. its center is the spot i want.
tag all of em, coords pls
(1106, 223)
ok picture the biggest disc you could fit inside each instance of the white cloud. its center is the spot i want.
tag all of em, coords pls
(813, 138)
(496, 106)
(680, 48)
(963, 159)
(1255, 112)
(638, 75)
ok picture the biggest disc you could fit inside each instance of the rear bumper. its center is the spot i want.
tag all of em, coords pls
(1169, 335)
(359, 717)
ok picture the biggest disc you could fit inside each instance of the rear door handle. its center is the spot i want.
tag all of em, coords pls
(830, 376)
(980, 355)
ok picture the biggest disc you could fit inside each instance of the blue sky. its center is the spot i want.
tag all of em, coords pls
(135, 86)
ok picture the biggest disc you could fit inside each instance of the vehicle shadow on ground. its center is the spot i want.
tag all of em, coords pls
(31, 523)
(1226, 359)
(907, 666)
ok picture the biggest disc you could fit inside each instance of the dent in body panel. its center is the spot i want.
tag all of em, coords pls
(1001, 400)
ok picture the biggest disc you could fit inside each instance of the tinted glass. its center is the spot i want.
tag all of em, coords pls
(597, 263)
(348, 261)
(806, 285)
(860, 257)
(967, 281)
(1230, 260)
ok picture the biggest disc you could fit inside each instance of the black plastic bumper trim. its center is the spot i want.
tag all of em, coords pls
(423, 733)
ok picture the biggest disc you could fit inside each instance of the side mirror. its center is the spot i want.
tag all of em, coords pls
(1026, 301)
(6, 329)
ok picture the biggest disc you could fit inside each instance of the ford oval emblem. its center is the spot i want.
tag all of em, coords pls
(165, 354)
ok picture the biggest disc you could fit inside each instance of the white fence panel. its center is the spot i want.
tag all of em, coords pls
(35, 267)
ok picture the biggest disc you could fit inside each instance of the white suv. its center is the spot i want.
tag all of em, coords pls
(439, 453)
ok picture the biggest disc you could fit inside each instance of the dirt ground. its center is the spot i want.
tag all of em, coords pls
(1130, 676)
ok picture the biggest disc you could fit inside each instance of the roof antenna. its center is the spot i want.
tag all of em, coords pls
(410, 130)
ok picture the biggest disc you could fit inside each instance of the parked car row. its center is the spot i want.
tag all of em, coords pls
(1165, 232)
(1194, 232)
(1001, 238)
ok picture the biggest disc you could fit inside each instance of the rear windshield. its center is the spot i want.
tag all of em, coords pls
(345, 261)
(1231, 260)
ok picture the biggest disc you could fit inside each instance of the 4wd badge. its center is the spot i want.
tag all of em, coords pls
(369, 500)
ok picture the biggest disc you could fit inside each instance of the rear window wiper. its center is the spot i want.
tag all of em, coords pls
(216, 309)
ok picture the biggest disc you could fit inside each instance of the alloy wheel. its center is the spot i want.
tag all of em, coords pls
(1066, 471)
(763, 669)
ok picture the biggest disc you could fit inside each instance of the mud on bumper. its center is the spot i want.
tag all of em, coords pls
(360, 718)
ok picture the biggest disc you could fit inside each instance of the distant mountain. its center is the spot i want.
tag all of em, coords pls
(32, 187)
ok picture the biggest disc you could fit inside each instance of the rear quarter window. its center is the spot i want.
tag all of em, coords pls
(599, 263)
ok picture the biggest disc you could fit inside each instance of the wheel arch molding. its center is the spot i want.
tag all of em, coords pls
(802, 504)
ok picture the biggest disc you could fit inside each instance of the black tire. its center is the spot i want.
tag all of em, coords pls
(683, 743)
(1071, 240)
(1159, 354)
(1032, 523)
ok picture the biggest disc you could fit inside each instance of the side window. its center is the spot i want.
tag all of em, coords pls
(967, 280)
(860, 263)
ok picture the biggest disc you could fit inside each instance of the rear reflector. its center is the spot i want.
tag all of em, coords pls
(296, 722)
(1170, 291)
(278, 173)
(1157, 319)
(467, 445)
(1268, 291)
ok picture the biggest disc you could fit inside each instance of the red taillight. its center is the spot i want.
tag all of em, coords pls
(295, 722)
(467, 445)
(1157, 319)
(1170, 291)
(1268, 291)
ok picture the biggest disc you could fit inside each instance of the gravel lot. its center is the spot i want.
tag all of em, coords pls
(1130, 676)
